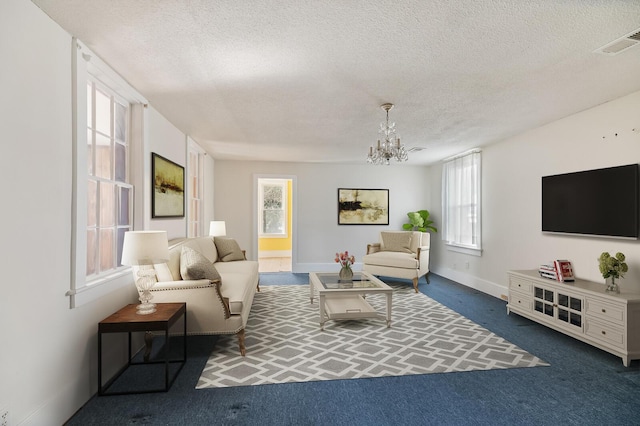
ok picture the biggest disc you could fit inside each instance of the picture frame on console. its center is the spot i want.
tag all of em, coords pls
(167, 193)
(360, 206)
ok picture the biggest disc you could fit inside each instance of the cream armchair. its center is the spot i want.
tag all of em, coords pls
(399, 254)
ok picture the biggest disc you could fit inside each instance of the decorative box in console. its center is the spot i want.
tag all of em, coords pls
(580, 309)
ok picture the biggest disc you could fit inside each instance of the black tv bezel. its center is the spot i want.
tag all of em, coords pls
(585, 233)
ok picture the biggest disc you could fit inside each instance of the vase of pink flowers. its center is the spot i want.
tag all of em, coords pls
(345, 261)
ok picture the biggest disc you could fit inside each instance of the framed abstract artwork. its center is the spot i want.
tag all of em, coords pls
(167, 195)
(363, 206)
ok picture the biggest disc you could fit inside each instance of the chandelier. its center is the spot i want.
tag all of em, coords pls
(390, 147)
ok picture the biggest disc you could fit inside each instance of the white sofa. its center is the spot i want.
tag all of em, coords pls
(399, 254)
(212, 307)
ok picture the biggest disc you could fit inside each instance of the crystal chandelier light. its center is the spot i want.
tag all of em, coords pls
(390, 147)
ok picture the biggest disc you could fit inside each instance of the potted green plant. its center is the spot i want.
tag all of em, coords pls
(419, 221)
(614, 267)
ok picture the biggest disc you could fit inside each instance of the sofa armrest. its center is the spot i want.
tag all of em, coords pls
(373, 248)
(422, 254)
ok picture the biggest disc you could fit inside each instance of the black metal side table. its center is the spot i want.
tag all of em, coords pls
(126, 320)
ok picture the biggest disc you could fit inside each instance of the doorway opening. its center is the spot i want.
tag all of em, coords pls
(275, 224)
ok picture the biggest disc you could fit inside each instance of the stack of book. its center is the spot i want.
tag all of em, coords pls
(559, 270)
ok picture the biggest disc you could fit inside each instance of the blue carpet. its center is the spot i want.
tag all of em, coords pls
(583, 385)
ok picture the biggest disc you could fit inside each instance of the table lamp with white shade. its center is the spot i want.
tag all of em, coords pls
(217, 228)
(144, 248)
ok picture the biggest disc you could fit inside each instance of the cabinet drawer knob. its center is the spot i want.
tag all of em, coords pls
(604, 332)
(604, 311)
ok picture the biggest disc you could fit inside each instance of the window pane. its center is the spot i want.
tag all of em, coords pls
(91, 252)
(194, 210)
(107, 204)
(106, 250)
(273, 197)
(121, 122)
(194, 187)
(273, 221)
(103, 156)
(89, 105)
(92, 200)
(103, 113)
(121, 163)
(121, 232)
(90, 152)
(125, 203)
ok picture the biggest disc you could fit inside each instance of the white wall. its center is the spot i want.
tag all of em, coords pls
(511, 190)
(315, 198)
(48, 352)
(165, 140)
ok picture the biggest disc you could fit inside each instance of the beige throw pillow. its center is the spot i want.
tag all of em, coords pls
(194, 266)
(228, 249)
(397, 241)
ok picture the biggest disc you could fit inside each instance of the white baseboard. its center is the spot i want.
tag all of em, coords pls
(274, 253)
(485, 286)
(305, 268)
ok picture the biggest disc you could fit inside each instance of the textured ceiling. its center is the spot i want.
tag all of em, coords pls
(295, 80)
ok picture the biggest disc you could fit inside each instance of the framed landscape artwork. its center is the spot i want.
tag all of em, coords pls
(167, 196)
(363, 206)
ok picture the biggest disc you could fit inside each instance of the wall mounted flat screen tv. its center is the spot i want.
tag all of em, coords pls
(602, 202)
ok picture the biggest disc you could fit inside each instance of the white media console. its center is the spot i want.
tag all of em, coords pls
(580, 309)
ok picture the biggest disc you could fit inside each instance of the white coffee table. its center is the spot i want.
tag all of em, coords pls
(346, 300)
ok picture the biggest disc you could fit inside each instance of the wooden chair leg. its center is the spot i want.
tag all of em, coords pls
(415, 284)
(427, 277)
(240, 335)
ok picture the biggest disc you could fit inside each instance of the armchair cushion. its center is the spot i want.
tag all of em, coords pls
(194, 266)
(396, 241)
(228, 249)
(392, 259)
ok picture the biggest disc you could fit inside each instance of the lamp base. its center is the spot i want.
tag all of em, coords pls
(146, 280)
(146, 308)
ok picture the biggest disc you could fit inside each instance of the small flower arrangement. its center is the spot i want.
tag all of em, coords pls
(611, 266)
(345, 260)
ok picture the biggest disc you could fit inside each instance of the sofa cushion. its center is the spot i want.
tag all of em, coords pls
(391, 259)
(396, 241)
(194, 266)
(228, 249)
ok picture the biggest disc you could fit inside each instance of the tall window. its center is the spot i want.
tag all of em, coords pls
(461, 200)
(109, 194)
(195, 170)
(273, 204)
(108, 136)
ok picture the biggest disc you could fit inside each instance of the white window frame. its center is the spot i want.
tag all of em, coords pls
(85, 65)
(461, 192)
(195, 188)
(283, 183)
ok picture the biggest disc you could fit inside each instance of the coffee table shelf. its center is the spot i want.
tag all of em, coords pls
(339, 300)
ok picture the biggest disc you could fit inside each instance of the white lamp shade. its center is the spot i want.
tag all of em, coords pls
(145, 247)
(217, 228)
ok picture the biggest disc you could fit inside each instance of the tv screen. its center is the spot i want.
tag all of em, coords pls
(594, 202)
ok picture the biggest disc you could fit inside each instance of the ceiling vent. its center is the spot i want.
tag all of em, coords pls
(416, 149)
(621, 44)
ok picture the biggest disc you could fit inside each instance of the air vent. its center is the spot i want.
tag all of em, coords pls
(621, 44)
(416, 149)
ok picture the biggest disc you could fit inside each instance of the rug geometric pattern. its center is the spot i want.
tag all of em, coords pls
(285, 344)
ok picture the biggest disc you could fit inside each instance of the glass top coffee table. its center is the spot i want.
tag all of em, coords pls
(346, 299)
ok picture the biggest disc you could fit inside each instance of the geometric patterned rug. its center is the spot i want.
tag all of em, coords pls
(285, 344)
